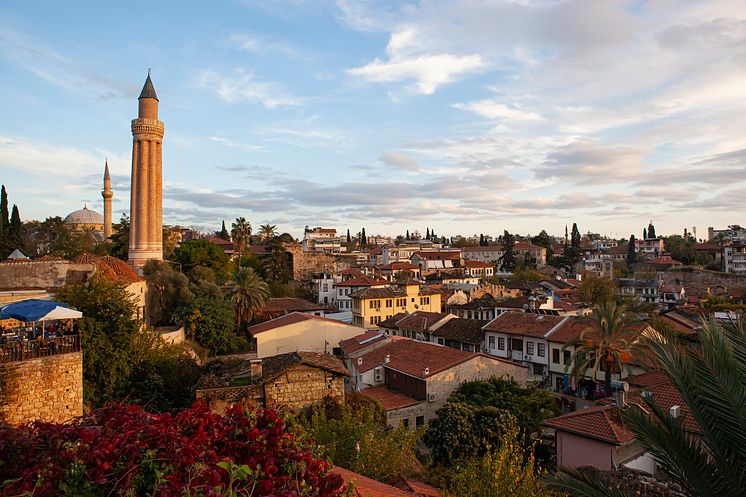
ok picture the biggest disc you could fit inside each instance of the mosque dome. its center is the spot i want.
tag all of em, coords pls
(84, 216)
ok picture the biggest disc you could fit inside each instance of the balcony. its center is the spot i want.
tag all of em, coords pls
(34, 349)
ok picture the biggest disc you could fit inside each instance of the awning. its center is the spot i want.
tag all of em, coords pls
(38, 310)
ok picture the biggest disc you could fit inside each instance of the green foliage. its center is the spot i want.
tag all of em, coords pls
(632, 251)
(462, 431)
(277, 264)
(168, 290)
(523, 273)
(595, 290)
(530, 406)
(267, 232)
(211, 322)
(543, 240)
(248, 293)
(509, 469)
(202, 253)
(119, 241)
(241, 232)
(507, 261)
(354, 435)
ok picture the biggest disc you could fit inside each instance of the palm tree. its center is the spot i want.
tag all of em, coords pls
(267, 232)
(241, 233)
(606, 346)
(248, 293)
(711, 380)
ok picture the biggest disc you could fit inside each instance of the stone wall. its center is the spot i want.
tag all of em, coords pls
(15, 275)
(46, 389)
(303, 385)
(703, 282)
(307, 263)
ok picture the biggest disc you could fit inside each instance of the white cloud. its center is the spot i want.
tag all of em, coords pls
(242, 85)
(492, 109)
(399, 161)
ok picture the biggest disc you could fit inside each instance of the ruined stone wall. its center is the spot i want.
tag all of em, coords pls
(42, 274)
(702, 282)
(303, 385)
(220, 399)
(46, 389)
(307, 263)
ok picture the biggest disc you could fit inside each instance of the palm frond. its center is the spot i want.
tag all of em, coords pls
(582, 484)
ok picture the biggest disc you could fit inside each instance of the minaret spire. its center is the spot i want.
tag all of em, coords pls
(107, 194)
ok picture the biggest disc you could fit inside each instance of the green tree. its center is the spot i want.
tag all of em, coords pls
(651, 230)
(241, 232)
(4, 212)
(595, 290)
(210, 321)
(363, 238)
(15, 234)
(644, 233)
(711, 379)
(195, 253)
(507, 260)
(508, 469)
(108, 330)
(349, 239)
(276, 264)
(248, 293)
(224, 235)
(354, 435)
(168, 290)
(632, 251)
(407, 236)
(462, 431)
(607, 346)
(267, 232)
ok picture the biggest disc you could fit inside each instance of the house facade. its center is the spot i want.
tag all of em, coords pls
(373, 305)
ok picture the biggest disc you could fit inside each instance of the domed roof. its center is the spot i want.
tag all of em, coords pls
(84, 216)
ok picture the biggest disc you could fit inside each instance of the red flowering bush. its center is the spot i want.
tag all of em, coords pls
(122, 450)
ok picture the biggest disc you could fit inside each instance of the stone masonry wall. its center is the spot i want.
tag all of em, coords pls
(704, 282)
(42, 274)
(302, 385)
(307, 263)
(46, 389)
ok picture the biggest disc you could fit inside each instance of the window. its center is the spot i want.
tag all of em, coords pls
(325, 287)
(555, 356)
(419, 421)
(389, 302)
(375, 319)
(500, 343)
(516, 344)
(441, 341)
(424, 300)
(541, 349)
(492, 342)
(567, 357)
(406, 422)
(529, 348)
(538, 369)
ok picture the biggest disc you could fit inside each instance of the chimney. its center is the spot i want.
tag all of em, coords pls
(425, 371)
(387, 359)
(621, 402)
(674, 411)
(256, 370)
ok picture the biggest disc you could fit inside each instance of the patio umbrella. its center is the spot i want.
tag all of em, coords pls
(38, 310)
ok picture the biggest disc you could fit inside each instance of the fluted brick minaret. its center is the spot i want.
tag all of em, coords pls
(107, 194)
(146, 200)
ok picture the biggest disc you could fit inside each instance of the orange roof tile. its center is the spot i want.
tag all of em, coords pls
(420, 320)
(288, 319)
(363, 281)
(361, 341)
(389, 399)
(366, 487)
(599, 422)
(522, 323)
(111, 268)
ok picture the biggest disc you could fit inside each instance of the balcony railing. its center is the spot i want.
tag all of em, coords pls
(34, 349)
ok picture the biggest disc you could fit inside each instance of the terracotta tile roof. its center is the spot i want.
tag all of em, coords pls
(527, 246)
(351, 272)
(488, 248)
(438, 256)
(389, 399)
(618, 250)
(598, 422)
(572, 328)
(225, 244)
(420, 320)
(514, 303)
(289, 304)
(521, 323)
(477, 264)
(462, 330)
(411, 357)
(378, 293)
(398, 266)
(421, 489)
(485, 302)
(363, 281)
(360, 342)
(390, 323)
(276, 365)
(366, 487)
(111, 268)
(288, 319)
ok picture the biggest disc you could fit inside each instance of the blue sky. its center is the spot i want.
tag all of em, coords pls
(463, 116)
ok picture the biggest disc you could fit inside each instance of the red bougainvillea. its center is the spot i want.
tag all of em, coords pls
(122, 450)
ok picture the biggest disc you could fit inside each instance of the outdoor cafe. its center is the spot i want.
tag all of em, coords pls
(37, 328)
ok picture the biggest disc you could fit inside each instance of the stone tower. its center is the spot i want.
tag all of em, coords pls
(146, 200)
(107, 194)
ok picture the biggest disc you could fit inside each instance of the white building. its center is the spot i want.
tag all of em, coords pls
(734, 258)
(323, 240)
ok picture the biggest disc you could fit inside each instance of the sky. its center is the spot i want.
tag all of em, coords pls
(461, 116)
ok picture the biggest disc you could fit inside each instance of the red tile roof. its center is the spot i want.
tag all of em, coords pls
(488, 248)
(477, 264)
(363, 281)
(378, 293)
(398, 266)
(572, 328)
(287, 320)
(599, 422)
(351, 272)
(438, 256)
(389, 399)
(289, 304)
(521, 323)
(111, 268)
(360, 342)
(366, 487)
(420, 320)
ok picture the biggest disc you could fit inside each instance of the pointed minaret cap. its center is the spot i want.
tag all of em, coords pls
(148, 90)
(106, 170)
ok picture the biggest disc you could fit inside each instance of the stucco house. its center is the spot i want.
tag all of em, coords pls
(300, 332)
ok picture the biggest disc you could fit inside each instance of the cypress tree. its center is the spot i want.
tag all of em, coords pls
(651, 230)
(644, 234)
(631, 251)
(427, 234)
(363, 239)
(224, 233)
(407, 235)
(349, 238)
(4, 218)
(15, 231)
(507, 261)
